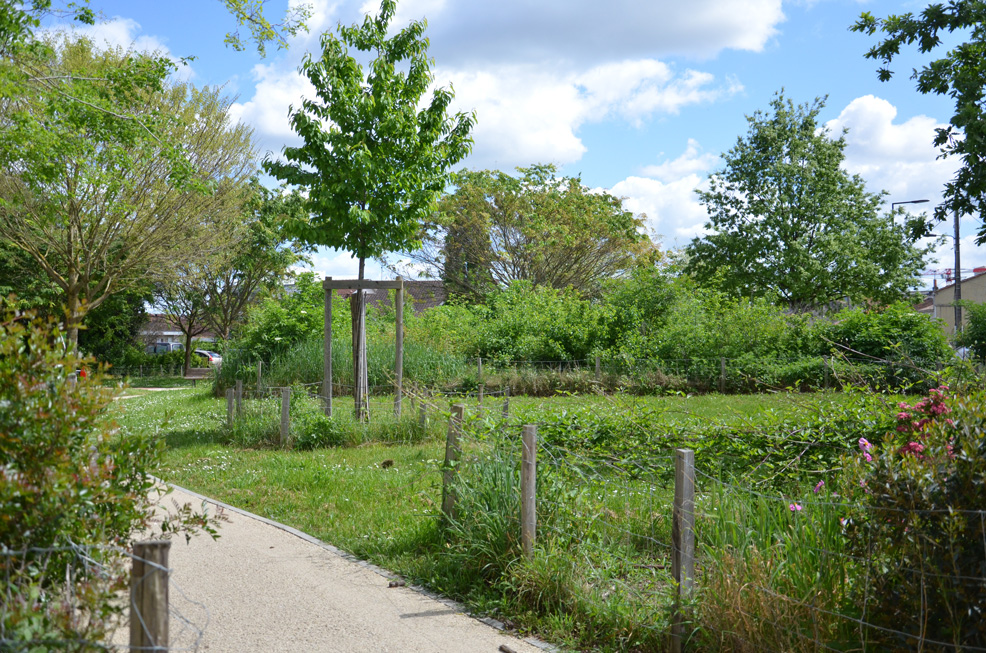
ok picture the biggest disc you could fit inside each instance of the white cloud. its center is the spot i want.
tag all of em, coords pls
(530, 113)
(277, 88)
(894, 156)
(667, 195)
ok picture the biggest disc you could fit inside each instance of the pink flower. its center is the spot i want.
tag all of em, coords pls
(864, 444)
(903, 406)
(914, 448)
(795, 507)
(819, 486)
(950, 421)
(903, 416)
(868, 457)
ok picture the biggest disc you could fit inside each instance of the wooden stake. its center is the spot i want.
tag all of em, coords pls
(149, 596)
(285, 417)
(327, 355)
(452, 453)
(682, 542)
(399, 356)
(528, 491)
(230, 401)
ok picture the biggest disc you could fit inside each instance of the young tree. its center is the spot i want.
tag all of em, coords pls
(788, 221)
(258, 259)
(112, 174)
(959, 73)
(549, 230)
(372, 163)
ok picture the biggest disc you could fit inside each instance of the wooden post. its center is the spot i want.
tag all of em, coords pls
(528, 491)
(260, 376)
(451, 468)
(149, 596)
(722, 375)
(599, 370)
(423, 416)
(399, 356)
(327, 355)
(506, 403)
(479, 365)
(285, 417)
(239, 397)
(825, 365)
(230, 399)
(71, 381)
(682, 541)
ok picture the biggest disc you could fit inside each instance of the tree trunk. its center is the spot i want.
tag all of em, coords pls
(72, 319)
(188, 350)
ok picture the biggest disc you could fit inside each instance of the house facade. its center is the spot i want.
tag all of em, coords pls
(941, 304)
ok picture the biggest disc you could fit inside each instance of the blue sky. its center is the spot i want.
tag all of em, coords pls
(637, 97)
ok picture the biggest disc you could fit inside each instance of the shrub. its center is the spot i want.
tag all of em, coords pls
(920, 531)
(71, 494)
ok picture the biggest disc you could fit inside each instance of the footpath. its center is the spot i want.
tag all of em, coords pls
(265, 587)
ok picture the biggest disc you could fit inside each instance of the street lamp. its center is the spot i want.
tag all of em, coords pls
(893, 204)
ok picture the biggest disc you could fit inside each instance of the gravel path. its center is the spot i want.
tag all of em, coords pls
(266, 587)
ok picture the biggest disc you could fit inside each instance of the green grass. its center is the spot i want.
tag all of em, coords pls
(600, 578)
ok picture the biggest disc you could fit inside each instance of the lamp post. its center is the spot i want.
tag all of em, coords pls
(893, 204)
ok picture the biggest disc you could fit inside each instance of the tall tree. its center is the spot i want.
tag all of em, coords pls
(959, 73)
(539, 227)
(258, 258)
(375, 157)
(112, 174)
(787, 221)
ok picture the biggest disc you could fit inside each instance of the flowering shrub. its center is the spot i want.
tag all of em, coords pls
(919, 533)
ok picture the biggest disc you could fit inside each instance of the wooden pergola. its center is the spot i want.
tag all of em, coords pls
(329, 286)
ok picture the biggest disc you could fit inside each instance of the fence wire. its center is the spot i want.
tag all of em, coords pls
(773, 572)
(48, 604)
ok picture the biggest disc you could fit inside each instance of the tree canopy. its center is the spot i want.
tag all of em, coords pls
(787, 221)
(113, 174)
(538, 227)
(959, 73)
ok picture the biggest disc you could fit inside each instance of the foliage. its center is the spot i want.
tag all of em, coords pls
(109, 174)
(537, 323)
(957, 73)
(973, 334)
(895, 333)
(113, 327)
(372, 163)
(257, 261)
(250, 14)
(551, 231)
(67, 487)
(920, 531)
(789, 222)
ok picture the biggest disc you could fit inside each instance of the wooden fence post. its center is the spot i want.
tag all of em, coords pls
(599, 370)
(683, 542)
(327, 353)
(149, 596)
(285, 417)
(423, 415)
(722, 375)
(230, 400)
(528, 489)
(399, 346)
(825, 365)
(239, 397)
(260, 376)
(451, 468)
(506, 403)
(479, 364)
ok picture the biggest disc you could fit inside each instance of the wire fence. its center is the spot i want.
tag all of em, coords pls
(95, 598)
(811, 571)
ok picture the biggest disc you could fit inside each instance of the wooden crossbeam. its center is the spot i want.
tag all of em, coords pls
(365, 284)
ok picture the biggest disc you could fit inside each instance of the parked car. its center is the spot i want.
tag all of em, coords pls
(164, 347)
(211, 356)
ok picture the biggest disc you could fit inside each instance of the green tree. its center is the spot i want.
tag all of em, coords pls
(374, 158)
(787, 221)
(552, 231)
(257, 261)
(113, 174)
(959, 73)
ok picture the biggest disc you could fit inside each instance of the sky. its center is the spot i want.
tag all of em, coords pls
(636, 97)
